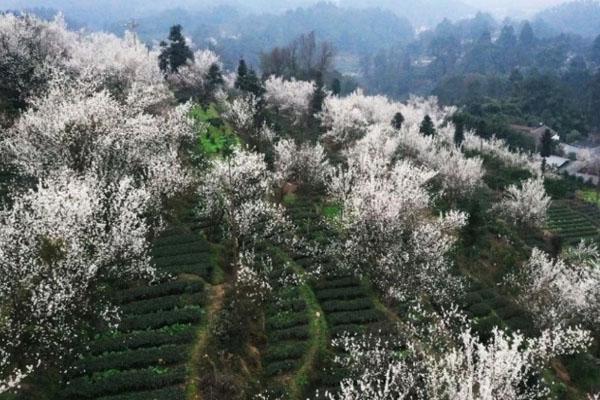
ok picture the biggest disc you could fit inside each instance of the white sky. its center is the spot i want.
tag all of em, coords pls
(503, 6)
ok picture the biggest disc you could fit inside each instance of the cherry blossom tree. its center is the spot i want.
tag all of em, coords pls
(30, 49)
(194, 80)
(76, 127)
(304, 163)
(526, 205)
(58, 243)
(447, 361)
(235, 191)
(293, 97)
(385, 230)
(561, 290)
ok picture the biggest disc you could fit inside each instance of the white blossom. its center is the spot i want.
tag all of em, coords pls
(527, 205)
(291, 96)
(302, 164)
(56, 244)
(563, 289)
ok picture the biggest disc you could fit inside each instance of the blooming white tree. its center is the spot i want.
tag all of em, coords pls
(32, 51)
(293, 97)
(192, 80)
(526, 205)
(386, 229)
(76, 127)
(464, 368)
(499, 148)
(235, 191)
(304, 163)
(241, 112)
(561, 290)
(57, 243)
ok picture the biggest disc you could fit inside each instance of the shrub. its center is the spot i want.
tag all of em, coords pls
(163, 289)
(197, 247)
(279, 367)
(167, 261)
(508, 311)
(176, 334)
(285, 351)
(163, 303)
(480, 309)
(347, 281)
(190, 314)
(114, 382)
(165, 355)
(347, 305)
(287, 320)
(354, 317)
(295, 333)
(341, 293)
(472, 298)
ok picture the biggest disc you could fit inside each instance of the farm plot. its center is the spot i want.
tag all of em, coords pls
(146, 357)
(489, 309)
(570, 223)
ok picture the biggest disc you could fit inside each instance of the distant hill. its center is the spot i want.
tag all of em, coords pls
(581, 17)
(233, 34)
(422, 13)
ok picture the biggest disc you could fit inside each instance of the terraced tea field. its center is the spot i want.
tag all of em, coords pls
(574, 221)
(146, 358)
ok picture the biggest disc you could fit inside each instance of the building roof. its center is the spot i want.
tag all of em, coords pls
(556, 162)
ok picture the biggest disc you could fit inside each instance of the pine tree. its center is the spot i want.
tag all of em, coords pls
(526, 37)
(459, 131)
(215, 76)
(248, 81)
(242, 74)
(175, 52)
(319, 95)
(336, 87)
(427, 127)
(547, 144)
(398, 120)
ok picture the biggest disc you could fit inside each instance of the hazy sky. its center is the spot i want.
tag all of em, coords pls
(513, 5)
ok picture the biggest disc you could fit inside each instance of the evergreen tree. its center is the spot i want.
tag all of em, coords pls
(547, 144)
(398, 120)
(336, 87)
(319, 95)
(215, 76)
(175, 52)
(427, 127)
(526, 37)
(459, 131)
(248, 81)
(242, 74)
(595, 100)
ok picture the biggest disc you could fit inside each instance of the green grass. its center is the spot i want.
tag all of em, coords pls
(215, 136)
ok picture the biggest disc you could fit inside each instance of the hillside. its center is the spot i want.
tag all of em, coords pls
(172, 230)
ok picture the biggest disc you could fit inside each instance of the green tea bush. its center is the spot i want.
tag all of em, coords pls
(354, 317)
(165, 355)
(347, 305)
(159, 319)
(115, 382)
(163, 289)
(176, 334)
(163, 303)
(341, 293)
(480, 309)
(295, 333)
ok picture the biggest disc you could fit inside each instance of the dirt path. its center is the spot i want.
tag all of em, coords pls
(198, 352)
